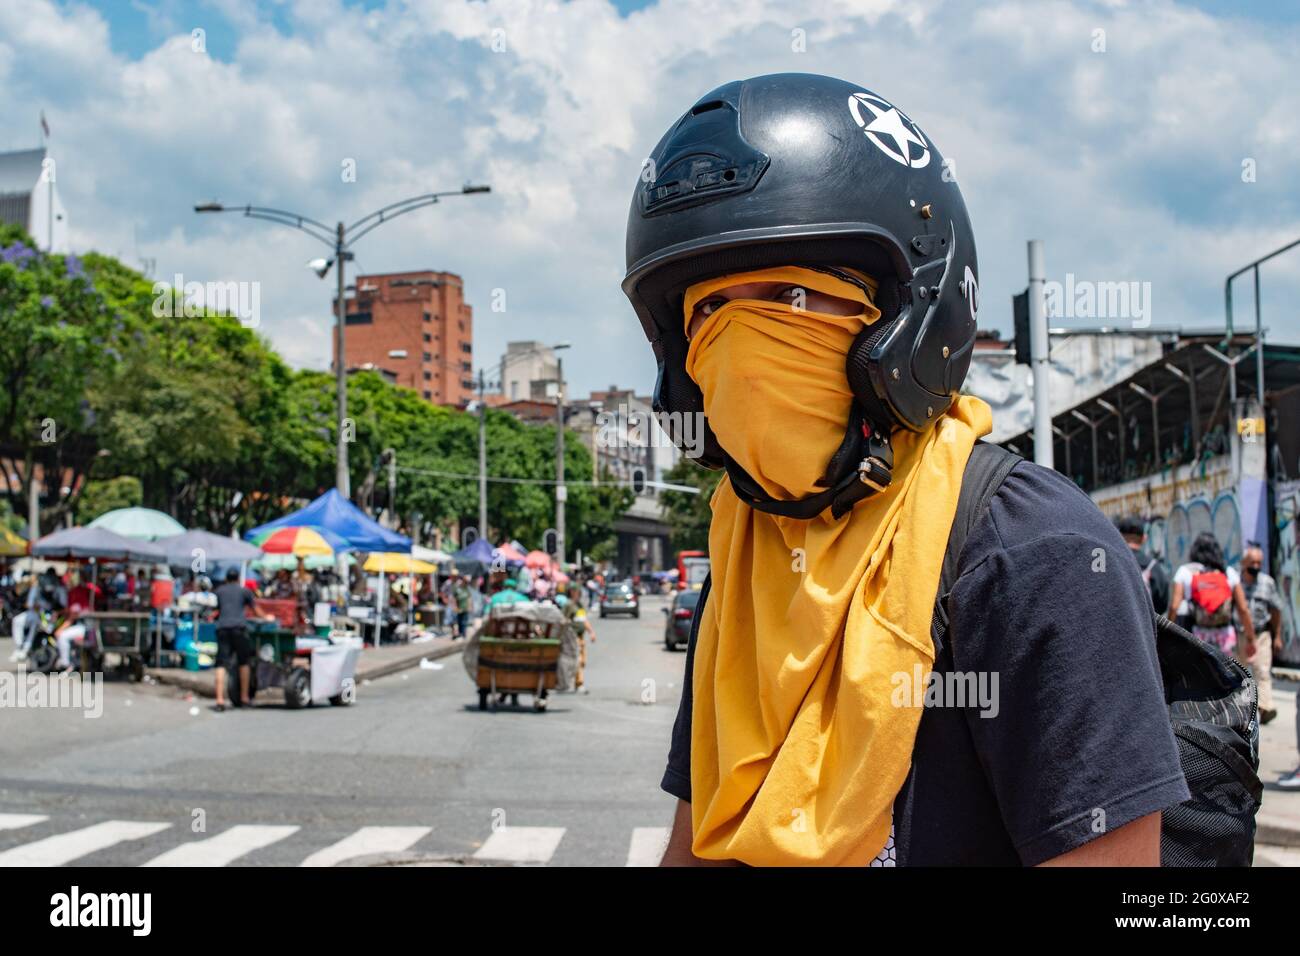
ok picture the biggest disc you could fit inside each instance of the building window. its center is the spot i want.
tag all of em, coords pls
(428, 357)
(462, 326)
(428, 394)
(467, 348)
(428, 376)
(428, 337)
(360, 318)
(467, 384)
(428, 317)
(466, 367)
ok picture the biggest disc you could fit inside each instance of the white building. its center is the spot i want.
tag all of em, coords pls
(29, 197)
(529, 371)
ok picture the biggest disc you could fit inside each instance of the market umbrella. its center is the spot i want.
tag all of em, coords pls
(394, 563)
(289, 562)
(11, 545)
(143, 523)
(183, 549)
(432, 555)
(510, 553)
(334, 513)
(300, 541)
(74, 544)
(538, 559)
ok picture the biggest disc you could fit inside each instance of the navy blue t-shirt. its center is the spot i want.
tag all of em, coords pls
(1077, 740)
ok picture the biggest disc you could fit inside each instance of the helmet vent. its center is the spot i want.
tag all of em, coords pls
(705, 107)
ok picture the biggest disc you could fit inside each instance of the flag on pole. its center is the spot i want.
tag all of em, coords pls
(45, 127)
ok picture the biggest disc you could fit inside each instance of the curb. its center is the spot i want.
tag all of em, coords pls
(1276, 831)
(196, 684)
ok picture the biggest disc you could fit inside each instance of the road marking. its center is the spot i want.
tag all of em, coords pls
(223, 848)
(367, 841)
(647, 846)
(14, 821)
(521, 844)
(65, 847)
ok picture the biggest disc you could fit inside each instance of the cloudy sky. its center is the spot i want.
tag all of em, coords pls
(1148, 142)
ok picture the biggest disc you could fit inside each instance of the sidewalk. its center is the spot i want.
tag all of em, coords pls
(1279, 818)
(375, 662)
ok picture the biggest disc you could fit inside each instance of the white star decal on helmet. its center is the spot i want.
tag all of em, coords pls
(886, 121)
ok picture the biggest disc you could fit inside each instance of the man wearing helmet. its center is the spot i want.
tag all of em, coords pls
(805, 271)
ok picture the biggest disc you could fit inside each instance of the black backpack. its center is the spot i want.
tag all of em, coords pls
(1212, 704)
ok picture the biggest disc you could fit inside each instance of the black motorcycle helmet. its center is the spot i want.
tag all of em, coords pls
(800, 169)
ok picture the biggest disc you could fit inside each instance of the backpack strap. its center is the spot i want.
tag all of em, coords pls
(986, 468)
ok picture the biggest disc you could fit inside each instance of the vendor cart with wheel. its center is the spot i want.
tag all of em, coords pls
(119, 634)
(521, 648)
(310, 669)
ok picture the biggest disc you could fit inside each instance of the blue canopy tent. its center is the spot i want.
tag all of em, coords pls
(336, 514)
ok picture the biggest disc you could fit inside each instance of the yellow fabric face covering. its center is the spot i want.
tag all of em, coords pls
(797, 747)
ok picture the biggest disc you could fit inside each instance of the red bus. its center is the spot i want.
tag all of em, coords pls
(692, 569)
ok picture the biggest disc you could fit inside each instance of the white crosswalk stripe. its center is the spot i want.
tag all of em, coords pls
(65, 847)
(16, 821)
(647, 846)
(367, 841)
(521, 844)
(225, 847)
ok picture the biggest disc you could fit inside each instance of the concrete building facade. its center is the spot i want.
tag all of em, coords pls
(417, 327)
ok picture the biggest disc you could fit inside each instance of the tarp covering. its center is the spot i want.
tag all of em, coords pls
(543, 612)
(336, 514)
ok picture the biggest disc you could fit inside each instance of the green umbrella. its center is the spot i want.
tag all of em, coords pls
(139, 523)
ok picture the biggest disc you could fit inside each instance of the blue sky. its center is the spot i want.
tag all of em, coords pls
(1127, 161)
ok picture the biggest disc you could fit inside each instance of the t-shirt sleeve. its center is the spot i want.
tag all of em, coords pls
(1050, 605)
(677, 775)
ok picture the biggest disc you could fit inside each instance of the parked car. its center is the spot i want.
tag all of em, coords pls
(619, 598)
(681, 615)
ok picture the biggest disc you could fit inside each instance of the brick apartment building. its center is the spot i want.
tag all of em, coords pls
(416, 330)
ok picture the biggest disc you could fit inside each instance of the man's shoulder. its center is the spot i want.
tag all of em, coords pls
(1037, 505)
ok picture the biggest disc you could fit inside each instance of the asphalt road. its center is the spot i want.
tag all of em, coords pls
(412, 771)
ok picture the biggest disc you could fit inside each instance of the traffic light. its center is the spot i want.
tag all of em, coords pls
(1020, 321)
(638, 480)
(551, 541)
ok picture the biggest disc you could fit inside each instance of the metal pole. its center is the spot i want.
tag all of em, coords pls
(33, 510)
(342, 481)
(1259, 344)
(392, 488)
(482, 456)
(1040, 360)
(561, 493)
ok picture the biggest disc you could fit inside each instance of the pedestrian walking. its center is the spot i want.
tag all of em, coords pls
(1265, 602)
(1154, 575)
(1206, 592)
(805, 271)
(234, 601)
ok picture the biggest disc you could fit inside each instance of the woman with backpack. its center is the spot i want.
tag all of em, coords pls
(1205, 593)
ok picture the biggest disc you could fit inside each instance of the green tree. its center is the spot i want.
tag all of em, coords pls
(689, 514)
(54, 331)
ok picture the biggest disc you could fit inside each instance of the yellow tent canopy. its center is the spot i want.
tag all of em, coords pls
(394, 563)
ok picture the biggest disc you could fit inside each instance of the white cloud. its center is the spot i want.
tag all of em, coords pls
(1128, 162)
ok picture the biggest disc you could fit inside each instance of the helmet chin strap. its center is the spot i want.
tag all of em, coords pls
(865, 445)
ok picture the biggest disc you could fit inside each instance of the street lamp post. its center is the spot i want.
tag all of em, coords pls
(340, 240)
(561, 492)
